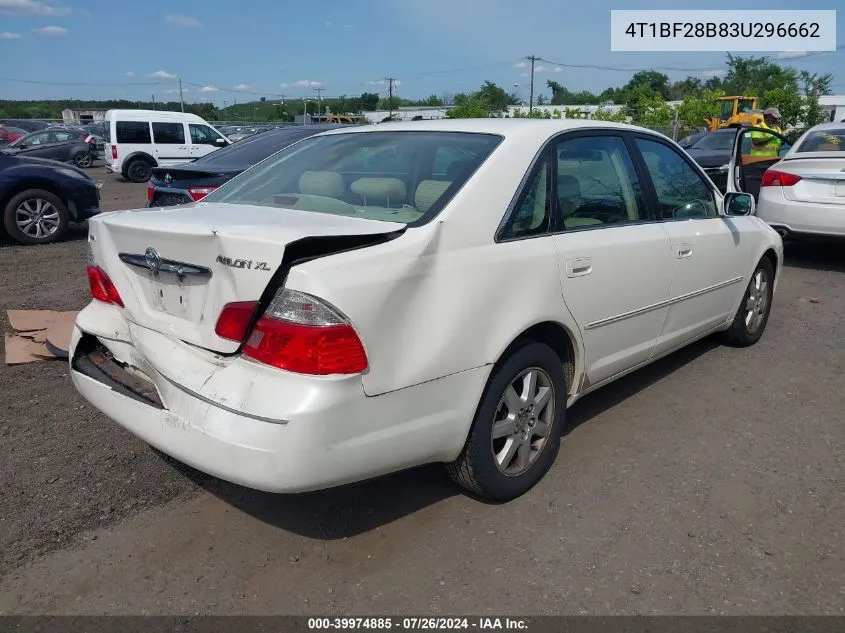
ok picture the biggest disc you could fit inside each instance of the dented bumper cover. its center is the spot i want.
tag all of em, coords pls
(259, 426)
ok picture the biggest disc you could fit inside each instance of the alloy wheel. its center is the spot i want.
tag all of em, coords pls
(757, 302)
(37, 218)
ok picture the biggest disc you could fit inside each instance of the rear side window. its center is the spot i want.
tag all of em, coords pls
(133, 132)
(168, 133)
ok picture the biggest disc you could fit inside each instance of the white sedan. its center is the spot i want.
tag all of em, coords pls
(376, 298)
(801, 191)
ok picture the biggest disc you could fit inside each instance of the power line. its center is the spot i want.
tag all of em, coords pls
(86, 84)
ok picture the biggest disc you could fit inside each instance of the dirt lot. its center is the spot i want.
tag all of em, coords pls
(710, 482)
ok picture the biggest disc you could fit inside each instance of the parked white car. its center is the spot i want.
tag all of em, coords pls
(376, 298)
(138, 140)
(802, 191)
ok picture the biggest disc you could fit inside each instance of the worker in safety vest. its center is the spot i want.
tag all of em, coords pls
(763, 144)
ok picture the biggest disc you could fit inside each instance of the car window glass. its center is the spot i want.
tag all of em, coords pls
(133, 132)
(168, 133)
(202, 134)
(39, 139)
(828, 140)
(681, 191)
(63, 136)
(448, 161)
(377, 175)
(532, 213)
(597, 184)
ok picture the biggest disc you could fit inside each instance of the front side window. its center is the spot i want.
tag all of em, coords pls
(203, 135)
(377, 175)
(168, 133)
(133, 132)
(596, 183)
(36, 139)
(681, 192)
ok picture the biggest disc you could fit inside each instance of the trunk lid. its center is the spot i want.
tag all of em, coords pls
(226, 252)
(822, 179)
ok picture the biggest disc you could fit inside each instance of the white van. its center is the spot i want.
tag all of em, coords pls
(138, 140)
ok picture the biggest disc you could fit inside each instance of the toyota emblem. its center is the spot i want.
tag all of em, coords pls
(153, 259)
(168, 179)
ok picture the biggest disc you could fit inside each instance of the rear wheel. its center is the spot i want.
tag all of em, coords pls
(515, 436)
(753, 313)
(139, 170)
(83, 160)
(35, 217)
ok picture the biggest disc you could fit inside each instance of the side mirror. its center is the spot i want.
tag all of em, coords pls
(738, 203)
(220, 141)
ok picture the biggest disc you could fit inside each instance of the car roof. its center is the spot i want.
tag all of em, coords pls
(524, 129)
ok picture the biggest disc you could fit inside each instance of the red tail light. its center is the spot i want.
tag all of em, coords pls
(303, 334)
(150, 192)
(102, 288)
(89, 139)
(198, 193)
(235, 319)
(114, 152)
(773, 178)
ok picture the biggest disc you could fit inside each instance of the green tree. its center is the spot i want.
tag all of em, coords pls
(646, 82)
(369, 101)
(695, 110)
(689, 87)
(754, 76)
(434, 100)
(495, 97)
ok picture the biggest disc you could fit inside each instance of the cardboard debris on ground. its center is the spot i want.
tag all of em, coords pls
(38, 335)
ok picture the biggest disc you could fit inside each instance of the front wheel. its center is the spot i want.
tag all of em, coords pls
(515, 436)
(35, 217)
(753, 313)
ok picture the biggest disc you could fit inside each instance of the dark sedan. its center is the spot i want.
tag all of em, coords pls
(63, 144)
(713, 153)
(193, 181)
(39, 199)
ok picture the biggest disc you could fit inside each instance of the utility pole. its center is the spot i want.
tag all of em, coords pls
(181, 99)
(532, 59)
(154, 103)
(390, 81)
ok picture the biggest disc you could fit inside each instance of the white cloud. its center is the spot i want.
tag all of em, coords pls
(181, 20)
(51, 30)
(303, 83)
(382, 82)
(174, 91)
(709, 74)
(129, 73)
(520, 65)
(243, 87)
(31, 7)
(792, 54)
(162, 74)
(209, 89)
(349, 26)
(557, 69)
(5, 35)
(329, 25)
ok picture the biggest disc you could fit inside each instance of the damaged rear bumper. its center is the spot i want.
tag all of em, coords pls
(257, 426)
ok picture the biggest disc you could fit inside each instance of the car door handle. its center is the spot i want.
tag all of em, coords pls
(579, 267)
(684, 250)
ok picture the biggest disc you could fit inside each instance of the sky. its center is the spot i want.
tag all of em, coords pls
(228, 51)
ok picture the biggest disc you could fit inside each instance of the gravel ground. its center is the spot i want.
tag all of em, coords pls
(709, 482)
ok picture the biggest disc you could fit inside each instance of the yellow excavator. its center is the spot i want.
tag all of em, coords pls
(736, 110)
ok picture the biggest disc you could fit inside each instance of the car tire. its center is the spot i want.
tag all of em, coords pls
(489, 465)
(47, 212)
(83, 160)
(753, 312)
(139, 170)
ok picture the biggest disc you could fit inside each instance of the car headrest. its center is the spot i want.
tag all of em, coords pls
(380, 189)
(428, 192)
(321, 183)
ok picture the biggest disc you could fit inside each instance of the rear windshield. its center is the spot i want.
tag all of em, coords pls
(716, 141)
(393, 176)
(251, 150)
(832, 140)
